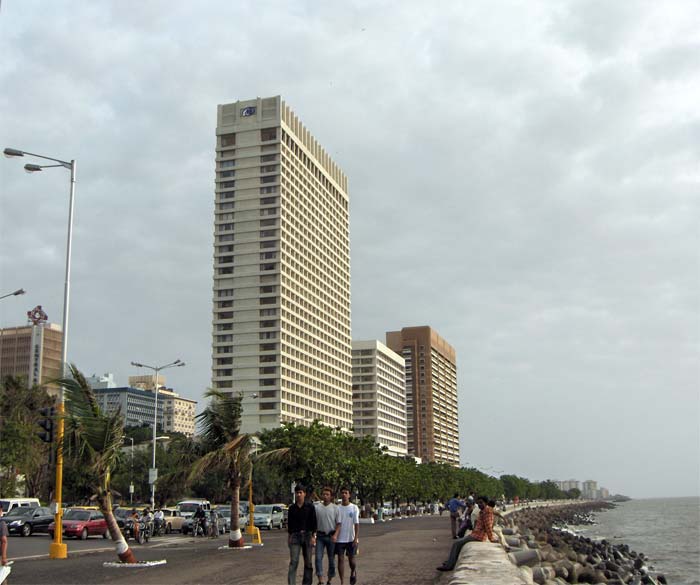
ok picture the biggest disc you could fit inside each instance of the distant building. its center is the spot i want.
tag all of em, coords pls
(589, 489)
(32, 352)
(136, 405)
(379, 395)
(103, 381)
(602, 494)
(145, 382)
(569, 484)
(431, 393)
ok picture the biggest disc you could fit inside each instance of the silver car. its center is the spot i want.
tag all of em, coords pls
(269, 516)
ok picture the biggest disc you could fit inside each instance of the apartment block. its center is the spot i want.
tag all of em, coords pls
(32, 352)
(378, 395)
(178, 412)
(431, 393)
(281, 292)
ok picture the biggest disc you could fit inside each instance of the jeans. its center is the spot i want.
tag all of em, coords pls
(300, 542)
(324, 543)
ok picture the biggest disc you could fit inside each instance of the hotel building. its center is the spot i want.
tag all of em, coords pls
(431, 393)
(281, 316)
(379, 395)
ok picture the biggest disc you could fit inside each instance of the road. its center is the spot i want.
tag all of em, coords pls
(400, 552)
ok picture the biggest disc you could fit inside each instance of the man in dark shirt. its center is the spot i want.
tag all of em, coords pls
(301, 525)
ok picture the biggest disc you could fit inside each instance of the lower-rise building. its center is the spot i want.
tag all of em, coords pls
(378, 395)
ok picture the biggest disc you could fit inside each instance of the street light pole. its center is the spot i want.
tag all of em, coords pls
(153, 474)
(57, 549)
(20, 291)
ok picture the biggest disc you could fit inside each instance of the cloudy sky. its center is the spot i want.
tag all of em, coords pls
(523, 177)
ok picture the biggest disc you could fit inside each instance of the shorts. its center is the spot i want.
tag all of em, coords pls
(342, 548)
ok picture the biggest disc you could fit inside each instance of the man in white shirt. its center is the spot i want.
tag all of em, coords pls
(327, 523)
(347, 536)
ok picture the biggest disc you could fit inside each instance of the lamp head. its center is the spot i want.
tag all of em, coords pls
(20, 291)
(31, 168)
(12, 152)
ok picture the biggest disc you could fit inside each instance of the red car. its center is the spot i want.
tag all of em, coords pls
(82, 523)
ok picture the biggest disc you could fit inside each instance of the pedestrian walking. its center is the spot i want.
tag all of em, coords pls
(327, 526)
(4, 533)
(301, 525)
(347, 536)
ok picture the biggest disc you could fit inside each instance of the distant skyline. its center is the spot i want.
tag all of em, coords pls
(523, 177)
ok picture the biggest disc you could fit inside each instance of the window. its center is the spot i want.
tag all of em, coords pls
(268, 335)
(227, 248)
(267, 179)
(265, 324)
(268, 200)
(268, 255)
(267, 358)
(268, 169)
(224, 338)
(224, 292)
(225, 259)
(226, 174)
(268, 347)
(225, 238)
(268, 158)
(267, 289)
(268, 382)
(268, 244)
(227, 164)
(268, 134)
(268, 300)
(225, 227)
(224, 361)
(268, 222)
(264, 190)
(227, 195)
(268, 266)
(229, 205)
(268, 233)
(229, 184)
(228, 139)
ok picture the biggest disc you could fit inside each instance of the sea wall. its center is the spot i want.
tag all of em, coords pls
(536, 547)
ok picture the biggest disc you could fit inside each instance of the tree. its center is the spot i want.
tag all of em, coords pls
(226, 450)
(93, 440)
(23, 455)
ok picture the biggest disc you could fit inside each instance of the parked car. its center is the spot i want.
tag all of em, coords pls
(225, 511)
(81, 523)
(25, 521)
(8, 504)
(173, 520)
(269, 516)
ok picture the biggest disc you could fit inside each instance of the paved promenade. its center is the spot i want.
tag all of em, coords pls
(400, 552)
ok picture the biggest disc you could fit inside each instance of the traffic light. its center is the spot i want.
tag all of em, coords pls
(47, 423)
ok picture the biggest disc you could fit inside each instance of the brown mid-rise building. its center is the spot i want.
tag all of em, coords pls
(32, 352)
(431, 393)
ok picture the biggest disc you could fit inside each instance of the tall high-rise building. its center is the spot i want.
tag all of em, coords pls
(431, 393)
(379, 395)
(281, 318)
(32, 352)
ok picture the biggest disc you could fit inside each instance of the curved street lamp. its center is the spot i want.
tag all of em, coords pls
(153, 472)
(20, 291)
(57, 549)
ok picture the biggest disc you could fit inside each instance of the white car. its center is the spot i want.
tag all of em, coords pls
(269, 516)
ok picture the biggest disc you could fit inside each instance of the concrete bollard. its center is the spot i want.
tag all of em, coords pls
(524, 557)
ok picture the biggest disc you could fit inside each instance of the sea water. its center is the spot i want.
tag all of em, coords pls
(667, 531)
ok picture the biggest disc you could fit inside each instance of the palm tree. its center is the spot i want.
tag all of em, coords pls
(228, 450)
(95, 439)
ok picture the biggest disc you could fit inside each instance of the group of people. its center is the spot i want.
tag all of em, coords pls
(477, 518)
(326, 528)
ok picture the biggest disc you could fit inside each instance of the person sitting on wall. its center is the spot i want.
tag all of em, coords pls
(482, 532)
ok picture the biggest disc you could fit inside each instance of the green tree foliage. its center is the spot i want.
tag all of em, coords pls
(23, 454)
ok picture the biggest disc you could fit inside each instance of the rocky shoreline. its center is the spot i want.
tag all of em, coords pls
(538, 541)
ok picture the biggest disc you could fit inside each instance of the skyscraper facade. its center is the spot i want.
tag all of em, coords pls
(32, 352)
(431, 393)
(379, 395)
(281, 317)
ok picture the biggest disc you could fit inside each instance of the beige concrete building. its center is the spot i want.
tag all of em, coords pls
(178, 412)
(33, 352)
(379, 395)
(431, 393)
(281, 319)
